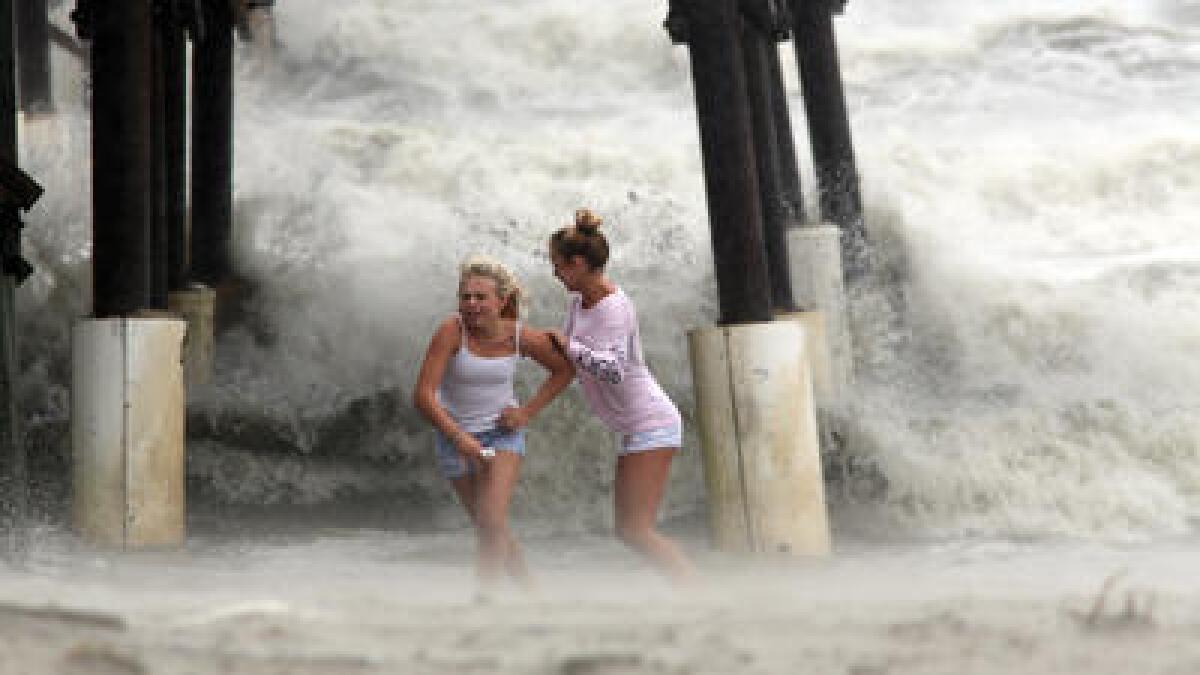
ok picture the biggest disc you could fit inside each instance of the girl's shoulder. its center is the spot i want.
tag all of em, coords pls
(514, 328)
(620, 297)
(616, 303)
(450, 330)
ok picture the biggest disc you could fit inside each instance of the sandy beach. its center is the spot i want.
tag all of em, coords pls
(380, 602)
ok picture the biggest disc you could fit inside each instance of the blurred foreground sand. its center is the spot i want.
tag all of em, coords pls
(383, 602)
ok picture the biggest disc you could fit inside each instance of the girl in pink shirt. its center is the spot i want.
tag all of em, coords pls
(602, 341)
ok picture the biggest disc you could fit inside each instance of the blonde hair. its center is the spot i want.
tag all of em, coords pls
(507, 286)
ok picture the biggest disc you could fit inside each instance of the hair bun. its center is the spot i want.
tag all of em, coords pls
(587, 221)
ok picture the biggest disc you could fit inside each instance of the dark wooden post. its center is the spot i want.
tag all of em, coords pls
(829, 126)
(33, 48)
(212, 145)
(17, 191)
(710, 28)
(173, 59)
(158, 169)
(789, 168)
(758, 43)
(126, 251)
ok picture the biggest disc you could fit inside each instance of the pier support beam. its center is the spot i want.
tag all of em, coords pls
(839, 198)
(127, 396)
(172, 73)
(14, 479)
(191, 301)
(128, 259)
(127, 428)
(33, 48)
(783, 211)
(750, 374)
(758, 43)
(212, 146)
(13, 269)
(789, 168)
(817, 280)
(711, 30)
(256, 24)
(762, 463)
(196, 305)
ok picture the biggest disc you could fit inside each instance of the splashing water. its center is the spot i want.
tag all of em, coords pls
(1031, 177)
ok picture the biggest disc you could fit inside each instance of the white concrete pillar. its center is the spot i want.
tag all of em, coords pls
(260, 22)
(826, 388)
(758, 430)
(815, 259)
(127, 432)
(196, 306)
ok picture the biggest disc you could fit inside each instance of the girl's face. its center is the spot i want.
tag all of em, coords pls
(479, 301)
(569, 271)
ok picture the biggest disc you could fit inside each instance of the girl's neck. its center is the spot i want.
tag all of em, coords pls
(594, 289)
(486, 331)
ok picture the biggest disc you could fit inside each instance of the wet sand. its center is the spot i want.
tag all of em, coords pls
(383, 602)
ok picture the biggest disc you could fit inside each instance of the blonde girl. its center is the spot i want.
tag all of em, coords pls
(465, 383)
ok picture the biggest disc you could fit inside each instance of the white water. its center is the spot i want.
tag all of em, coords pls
(1033, 166)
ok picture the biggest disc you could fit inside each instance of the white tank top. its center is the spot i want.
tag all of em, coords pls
(476, 388)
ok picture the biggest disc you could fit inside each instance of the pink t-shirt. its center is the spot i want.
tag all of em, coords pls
(605, 346)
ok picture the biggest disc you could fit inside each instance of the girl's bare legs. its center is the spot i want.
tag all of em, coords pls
(514, 564)
(640, 483)
(498, 548)
(467, 491)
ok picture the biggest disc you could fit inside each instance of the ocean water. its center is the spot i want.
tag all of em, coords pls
(1031, 174)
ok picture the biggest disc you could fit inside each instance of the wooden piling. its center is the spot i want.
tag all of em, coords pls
(159, 287)
(212, 146)
(126, 393)
(127, 432)
(14, 498)
(33, 49)
(125, 251)
(750, 373)
(758, 46)
(789, 168)
(840, 201)
(726, 141)
(758, 432)
(173, 59)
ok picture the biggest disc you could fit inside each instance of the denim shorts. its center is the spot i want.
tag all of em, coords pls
(452, 465)
(670, 436)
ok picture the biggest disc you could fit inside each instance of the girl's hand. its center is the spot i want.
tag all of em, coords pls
(470, 448)
(514, 418)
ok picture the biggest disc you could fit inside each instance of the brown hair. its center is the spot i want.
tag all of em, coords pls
(507, 286)
(583, 239)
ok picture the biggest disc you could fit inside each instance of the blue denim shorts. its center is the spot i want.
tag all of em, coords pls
(452, 465)
(670, 436)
